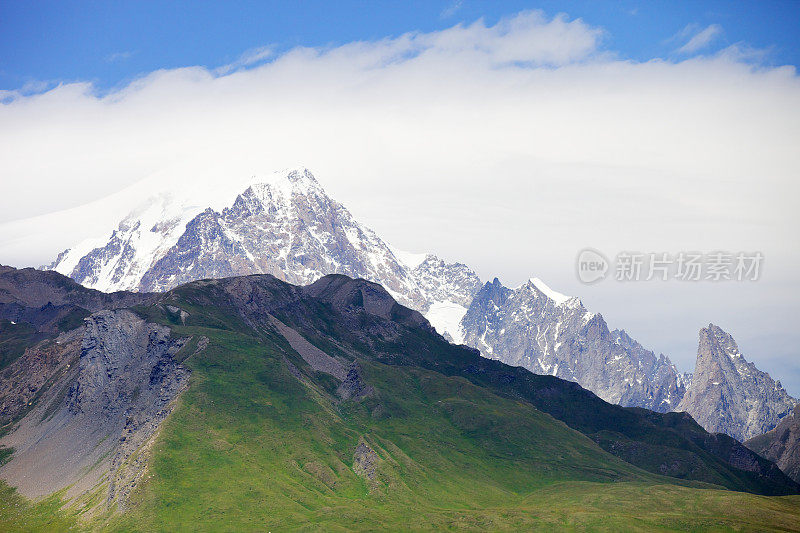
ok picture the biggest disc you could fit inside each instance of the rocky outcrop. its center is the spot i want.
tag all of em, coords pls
(537, 328)
(730, 395)
(36, 306)
(354, 387)
(122, 387)
(781, 444)
(365, 461)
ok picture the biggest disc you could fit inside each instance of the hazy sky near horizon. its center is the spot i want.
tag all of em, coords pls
(508, 142)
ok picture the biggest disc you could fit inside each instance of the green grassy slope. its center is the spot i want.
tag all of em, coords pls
(251, 447)
(18, 514)
(261, 442)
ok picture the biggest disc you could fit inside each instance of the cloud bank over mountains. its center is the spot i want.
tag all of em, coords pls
(510, 146)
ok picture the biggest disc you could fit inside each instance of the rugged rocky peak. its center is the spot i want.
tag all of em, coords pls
(446, 282)
(492, 294)
(550, 333)
(730, 395)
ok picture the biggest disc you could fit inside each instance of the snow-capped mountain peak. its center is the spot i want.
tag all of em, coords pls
(286, 184)
(282, 224)
(154, 226)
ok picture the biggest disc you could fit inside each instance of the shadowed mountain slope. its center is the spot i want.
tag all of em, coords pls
(782, 444)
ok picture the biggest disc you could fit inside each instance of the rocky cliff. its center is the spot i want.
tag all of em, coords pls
(730, 395)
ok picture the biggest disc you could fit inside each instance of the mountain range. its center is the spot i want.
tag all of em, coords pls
(287, 226)
(249, 403)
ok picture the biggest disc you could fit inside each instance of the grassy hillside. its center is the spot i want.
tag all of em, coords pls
(252, 448)
(260, 441)
(18, 514)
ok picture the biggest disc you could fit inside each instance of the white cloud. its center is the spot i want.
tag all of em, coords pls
(251, 57)
(509, 147)
(119, 56)
(452, 9)
(698, 38)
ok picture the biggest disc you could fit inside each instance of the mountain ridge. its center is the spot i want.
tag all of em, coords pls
(332, 324)
(289, 227)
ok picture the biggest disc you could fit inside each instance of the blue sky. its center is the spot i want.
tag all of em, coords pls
(110, 43)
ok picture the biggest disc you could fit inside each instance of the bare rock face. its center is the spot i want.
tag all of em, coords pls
(549, 333)
(781, 445)
(120, 354)
(730, 395)
(93, 418)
